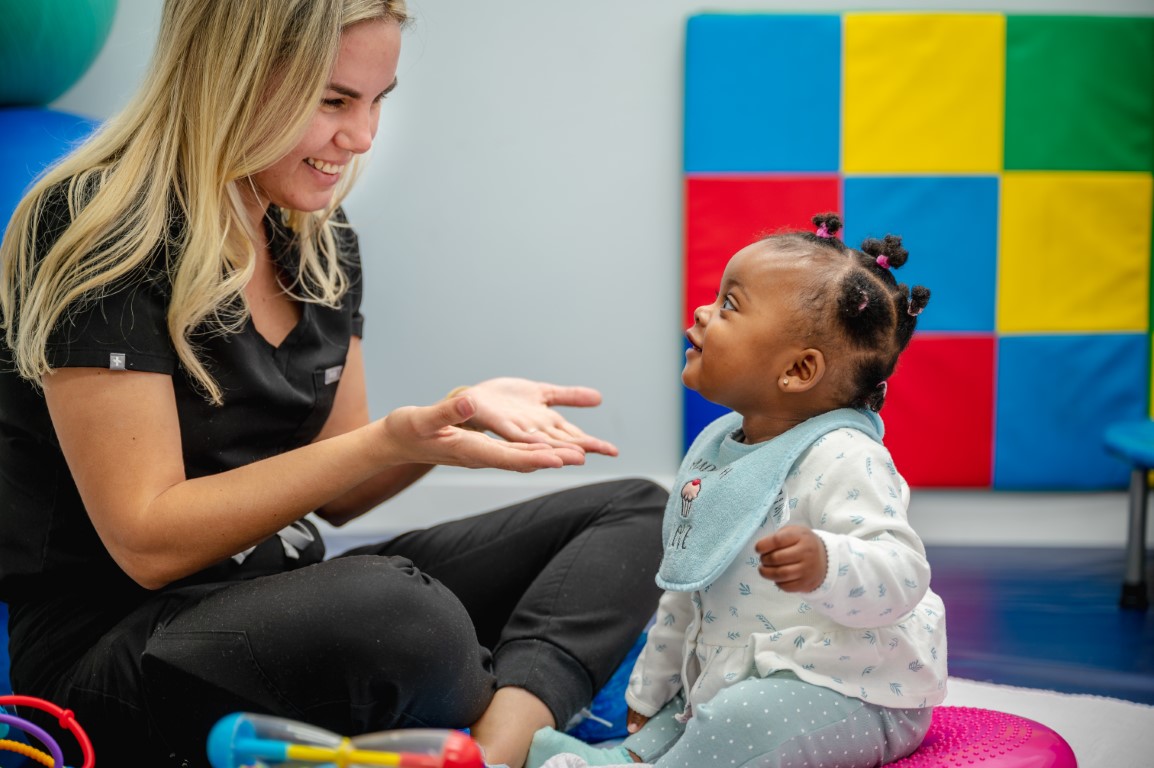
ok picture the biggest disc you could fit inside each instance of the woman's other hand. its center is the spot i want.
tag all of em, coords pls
(434, 435)
(521, 410)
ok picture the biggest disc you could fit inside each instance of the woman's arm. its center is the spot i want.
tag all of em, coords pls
(120, 435)
(515, 409)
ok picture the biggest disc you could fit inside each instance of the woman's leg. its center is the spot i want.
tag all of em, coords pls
(558, 587)
(359, 644)
(353, 645)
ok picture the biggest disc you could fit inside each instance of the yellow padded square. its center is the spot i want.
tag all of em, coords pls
(1074, 252)
(924, 93)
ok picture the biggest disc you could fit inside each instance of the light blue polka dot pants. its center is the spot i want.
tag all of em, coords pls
(779, 722)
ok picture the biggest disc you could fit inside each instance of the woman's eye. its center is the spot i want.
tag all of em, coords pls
(333, 103)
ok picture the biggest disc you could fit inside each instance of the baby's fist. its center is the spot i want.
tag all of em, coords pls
(793, 558)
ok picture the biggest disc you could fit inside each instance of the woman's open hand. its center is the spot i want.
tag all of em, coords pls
(520, 410)
(431, 435)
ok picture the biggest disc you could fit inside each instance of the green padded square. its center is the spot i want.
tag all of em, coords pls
(1079, 93)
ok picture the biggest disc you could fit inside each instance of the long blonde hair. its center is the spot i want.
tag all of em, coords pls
(232, 86)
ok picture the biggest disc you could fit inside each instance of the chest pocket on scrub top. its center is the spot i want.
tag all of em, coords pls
(325, 382)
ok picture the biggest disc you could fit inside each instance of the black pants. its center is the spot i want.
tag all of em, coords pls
(419, 631)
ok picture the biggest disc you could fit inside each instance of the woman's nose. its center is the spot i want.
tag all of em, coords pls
(356, 135)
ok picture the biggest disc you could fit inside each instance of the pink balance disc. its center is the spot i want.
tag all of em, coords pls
(960, 737)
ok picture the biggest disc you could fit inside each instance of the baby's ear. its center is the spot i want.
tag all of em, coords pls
(806, 370)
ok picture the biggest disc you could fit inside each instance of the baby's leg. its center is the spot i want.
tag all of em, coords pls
(659, 733)
(782, 722)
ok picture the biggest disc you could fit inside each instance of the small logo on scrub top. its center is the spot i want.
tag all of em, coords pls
(333, 375)
(117, 361)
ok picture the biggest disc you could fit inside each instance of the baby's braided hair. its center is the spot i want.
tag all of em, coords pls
(875, 314)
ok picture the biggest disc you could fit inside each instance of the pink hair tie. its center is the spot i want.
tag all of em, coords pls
(883, 261)
(822, 231)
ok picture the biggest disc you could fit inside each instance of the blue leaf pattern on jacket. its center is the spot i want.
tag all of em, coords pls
(871, 631)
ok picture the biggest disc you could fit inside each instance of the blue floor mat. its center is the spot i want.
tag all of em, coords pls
(606, 716)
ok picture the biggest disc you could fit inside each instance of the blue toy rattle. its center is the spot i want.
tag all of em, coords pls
(246, 740)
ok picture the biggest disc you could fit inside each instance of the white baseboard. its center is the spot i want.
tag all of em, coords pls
(1014, 518)
(942, 517)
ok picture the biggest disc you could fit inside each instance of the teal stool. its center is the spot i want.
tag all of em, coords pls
(1133, 442)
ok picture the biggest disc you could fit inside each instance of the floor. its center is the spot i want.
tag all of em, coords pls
(1045, 617)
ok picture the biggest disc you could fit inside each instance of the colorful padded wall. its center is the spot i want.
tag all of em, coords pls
(1014, 154)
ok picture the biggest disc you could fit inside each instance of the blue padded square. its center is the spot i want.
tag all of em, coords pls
(1055, 397)
(762, 92)
(949, 224)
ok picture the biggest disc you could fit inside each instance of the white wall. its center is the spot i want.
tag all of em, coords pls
(522, 213)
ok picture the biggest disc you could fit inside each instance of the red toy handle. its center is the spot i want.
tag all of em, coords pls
(460, 751)
(67, 721)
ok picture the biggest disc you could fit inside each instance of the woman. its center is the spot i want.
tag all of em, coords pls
(181, 307)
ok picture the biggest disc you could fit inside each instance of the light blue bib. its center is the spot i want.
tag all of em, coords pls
(725, 490)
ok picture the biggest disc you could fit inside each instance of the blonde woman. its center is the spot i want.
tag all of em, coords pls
(183, 382)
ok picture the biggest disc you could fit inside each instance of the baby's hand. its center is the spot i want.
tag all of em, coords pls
(793, 558)
(634, 721)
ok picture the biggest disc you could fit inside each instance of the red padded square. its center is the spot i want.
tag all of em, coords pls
(726, 213)
(939, 411)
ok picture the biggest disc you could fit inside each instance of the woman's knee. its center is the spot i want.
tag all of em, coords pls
(369, 601)
(360, 634)
(644, 496)
(347, 610)
(633, 508)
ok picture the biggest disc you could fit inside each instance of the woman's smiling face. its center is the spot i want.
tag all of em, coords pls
(345, 122)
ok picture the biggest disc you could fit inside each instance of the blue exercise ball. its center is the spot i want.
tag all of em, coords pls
(31, 139)
(47, 45)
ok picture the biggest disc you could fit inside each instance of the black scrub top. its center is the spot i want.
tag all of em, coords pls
(63, 588)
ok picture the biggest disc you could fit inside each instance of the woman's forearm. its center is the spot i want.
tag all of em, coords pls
(375, 491)
(196, 523)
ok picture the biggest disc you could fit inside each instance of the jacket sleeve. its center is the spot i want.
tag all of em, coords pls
(656, 676)
(855, 500)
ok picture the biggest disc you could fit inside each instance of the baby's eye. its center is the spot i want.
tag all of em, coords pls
(727, 303)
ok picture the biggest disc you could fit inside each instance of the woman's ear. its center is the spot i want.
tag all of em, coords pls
(806, 370)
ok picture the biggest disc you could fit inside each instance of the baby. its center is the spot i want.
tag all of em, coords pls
(797, 627)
